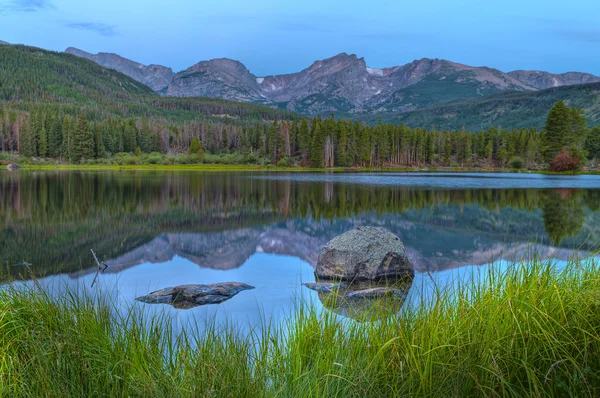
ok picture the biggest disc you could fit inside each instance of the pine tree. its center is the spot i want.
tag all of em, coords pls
(83, 140)
(99, 149)
(25, 140)
(55, 138)
(556, 131)
(43, 140)
(341, 154)
(592, 143)
(315, 156)
(304, 138)
(130, 136)
(66, 138)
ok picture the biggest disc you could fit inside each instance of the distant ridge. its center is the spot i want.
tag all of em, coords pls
(156, 77)
(342, 83)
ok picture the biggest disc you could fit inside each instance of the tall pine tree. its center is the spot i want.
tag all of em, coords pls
(83, 141)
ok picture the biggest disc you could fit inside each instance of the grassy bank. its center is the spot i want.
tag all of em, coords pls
(236, 162)
(529, 331)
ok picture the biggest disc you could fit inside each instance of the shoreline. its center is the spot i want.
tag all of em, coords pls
(251, 168)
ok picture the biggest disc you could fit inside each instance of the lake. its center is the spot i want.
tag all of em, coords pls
(160, 229)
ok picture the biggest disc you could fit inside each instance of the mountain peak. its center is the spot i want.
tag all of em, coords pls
(342, 82)
(157, 77)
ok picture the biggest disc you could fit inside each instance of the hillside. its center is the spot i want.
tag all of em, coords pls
(32, 76)
(510, 110)
(156, 77)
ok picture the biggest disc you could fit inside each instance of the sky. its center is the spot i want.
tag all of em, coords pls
(275, 37)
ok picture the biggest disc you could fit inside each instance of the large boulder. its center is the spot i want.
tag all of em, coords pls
(12, 167)
(364, 254)
(188, 296)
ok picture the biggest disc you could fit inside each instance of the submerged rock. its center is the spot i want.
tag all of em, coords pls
(364, 253)
(188, 296)
(363, 302)
(324, 287)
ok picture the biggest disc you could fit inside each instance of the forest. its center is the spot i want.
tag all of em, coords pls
(57, 106)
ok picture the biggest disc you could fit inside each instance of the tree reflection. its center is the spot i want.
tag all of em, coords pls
(53, 219)
(563, 213)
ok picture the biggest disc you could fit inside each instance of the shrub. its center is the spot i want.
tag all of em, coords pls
(196, 148)
(564, 161)
(284, 162)
(516, 163)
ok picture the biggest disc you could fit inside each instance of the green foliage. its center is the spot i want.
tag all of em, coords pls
(82, 146)
(516, 163)
(592, 143)
(565, 128)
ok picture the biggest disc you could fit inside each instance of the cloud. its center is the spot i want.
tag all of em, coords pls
(100, 28)
(27, 5)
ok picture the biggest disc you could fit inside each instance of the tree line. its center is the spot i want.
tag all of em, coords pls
(316, 142)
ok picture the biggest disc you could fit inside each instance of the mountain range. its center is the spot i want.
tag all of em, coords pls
(343, 84)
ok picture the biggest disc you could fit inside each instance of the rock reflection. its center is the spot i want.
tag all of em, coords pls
(363, 301)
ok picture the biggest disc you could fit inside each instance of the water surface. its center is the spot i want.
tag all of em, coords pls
(159, 229)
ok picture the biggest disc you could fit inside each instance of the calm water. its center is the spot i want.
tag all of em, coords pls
(159, 229)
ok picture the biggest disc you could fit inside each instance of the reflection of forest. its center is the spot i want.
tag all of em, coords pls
(52, 219)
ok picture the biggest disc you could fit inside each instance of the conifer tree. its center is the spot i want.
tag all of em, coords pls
(25, 141)
(556, 131)
(43, 140)
(99, 149)
(55, 138)
(341, 154)
(83, 140)
(592, 143)
(304, 138)
(315, 156)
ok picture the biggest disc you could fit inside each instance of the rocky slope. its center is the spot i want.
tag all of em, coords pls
(156, 77)
(343, 83)
(221, 78)
(542, 80)
(4, 42)
(521, 109)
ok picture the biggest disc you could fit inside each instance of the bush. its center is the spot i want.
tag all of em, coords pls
(284, 162)
(516, 163)
(564, 161)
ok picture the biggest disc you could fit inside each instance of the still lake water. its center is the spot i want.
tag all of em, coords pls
(160, 229)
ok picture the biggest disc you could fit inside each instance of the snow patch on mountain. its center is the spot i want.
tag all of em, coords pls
(374, 72)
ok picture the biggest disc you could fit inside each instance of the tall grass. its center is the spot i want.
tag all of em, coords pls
(531, 330)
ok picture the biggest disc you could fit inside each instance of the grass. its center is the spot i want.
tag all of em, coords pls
(532, 330)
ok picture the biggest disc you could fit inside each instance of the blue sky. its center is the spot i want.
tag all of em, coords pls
(272, 37)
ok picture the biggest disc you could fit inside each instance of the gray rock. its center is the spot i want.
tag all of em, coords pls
(13, 166)
(364, 253)
(188, 296)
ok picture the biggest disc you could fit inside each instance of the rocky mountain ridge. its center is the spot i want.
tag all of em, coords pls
(157, 77)
(343, 83)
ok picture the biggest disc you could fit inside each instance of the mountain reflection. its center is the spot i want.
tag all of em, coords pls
(53, 219)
